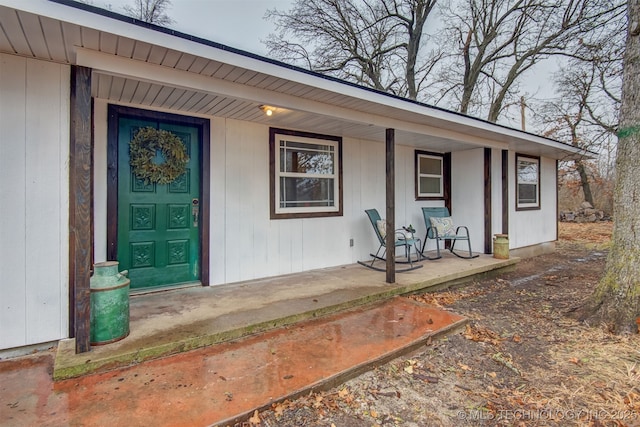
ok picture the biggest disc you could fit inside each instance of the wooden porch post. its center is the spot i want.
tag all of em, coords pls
(391, 205)
(488, 217)
(505, 192)
(80, 201)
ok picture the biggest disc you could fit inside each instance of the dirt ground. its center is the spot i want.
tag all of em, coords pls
(522, 360)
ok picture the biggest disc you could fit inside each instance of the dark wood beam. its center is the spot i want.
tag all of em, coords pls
(505, 192)
(488, 219)
(205, 198)
(391, 205)
(80, 206)
(557, 198)
(446, 170)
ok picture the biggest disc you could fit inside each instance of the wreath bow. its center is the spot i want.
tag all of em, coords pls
(143, 148)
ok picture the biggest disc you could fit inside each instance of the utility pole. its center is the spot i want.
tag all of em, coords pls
(522, 107)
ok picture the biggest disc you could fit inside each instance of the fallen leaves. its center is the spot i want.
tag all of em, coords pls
(320, 402)
(477, 333)
(464, 367)
(279, 408)
(597, 232)
(575, 361)
(441, 299)
(255, 419)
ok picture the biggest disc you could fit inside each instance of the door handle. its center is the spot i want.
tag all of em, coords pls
(195, 211)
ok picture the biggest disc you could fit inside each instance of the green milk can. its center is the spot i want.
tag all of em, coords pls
(501, 246)
(109, 303)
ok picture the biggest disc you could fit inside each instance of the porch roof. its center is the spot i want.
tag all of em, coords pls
(141, 64)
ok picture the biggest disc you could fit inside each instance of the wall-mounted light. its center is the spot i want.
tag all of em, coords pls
(267, 110)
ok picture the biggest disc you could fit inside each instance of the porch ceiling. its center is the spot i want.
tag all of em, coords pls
(138, 64)
(162, 96)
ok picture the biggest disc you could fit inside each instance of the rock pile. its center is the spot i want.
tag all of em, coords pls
(585, 213)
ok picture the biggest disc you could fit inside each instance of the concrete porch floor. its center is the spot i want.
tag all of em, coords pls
(175, 321)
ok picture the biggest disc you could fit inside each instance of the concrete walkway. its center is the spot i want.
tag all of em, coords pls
(276, 339)
(225, 383)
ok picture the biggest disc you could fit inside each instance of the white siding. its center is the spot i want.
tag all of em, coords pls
(496, 192)
(528, 228)
(100, 181)
(255, 246)
(467, 194)
(34, 159)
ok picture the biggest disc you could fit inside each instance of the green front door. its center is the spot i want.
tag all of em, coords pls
(158, 237)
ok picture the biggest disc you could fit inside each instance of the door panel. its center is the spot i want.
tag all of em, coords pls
(158, 237)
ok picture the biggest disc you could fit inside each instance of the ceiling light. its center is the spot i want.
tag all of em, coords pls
(267, 110)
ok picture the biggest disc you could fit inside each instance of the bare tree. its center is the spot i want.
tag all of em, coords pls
(584, 112)
(567, 126)
(151, 11)
(616, 301)
(582, 117)
(377, 43)
(497, 41)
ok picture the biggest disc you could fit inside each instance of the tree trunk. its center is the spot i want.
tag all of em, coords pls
(616, 301)
(584, 180)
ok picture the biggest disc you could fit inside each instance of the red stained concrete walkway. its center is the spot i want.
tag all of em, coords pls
(224, 382)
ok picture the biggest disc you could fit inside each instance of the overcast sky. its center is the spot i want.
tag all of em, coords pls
(236, 23)
(241, 24)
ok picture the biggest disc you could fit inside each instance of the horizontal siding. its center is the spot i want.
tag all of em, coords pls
(34, 159)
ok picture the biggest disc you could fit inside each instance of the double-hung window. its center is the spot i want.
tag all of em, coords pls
(305, 174)
(527, 182)
(430, 180)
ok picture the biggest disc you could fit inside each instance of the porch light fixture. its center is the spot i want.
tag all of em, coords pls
(267, 110)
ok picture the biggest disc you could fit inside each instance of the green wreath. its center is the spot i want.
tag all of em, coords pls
(143, 148)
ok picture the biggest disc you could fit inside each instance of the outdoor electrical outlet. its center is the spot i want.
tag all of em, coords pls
(350, 243)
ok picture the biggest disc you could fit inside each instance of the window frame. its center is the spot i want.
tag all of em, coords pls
(527, 206)
(443, 176)
(276, 212)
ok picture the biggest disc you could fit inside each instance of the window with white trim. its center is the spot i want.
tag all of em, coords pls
(306, 174)
(527, 182)
(429, 175)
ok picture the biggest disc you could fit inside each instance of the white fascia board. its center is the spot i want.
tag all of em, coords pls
(560, 150)
(152, 73)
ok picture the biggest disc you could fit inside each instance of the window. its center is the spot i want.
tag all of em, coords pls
(527, 182)
(306, 174)
(430, 182)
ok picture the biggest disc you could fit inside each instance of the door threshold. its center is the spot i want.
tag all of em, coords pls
(158, 289)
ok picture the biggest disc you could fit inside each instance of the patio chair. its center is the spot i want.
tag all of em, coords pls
(440, 228)
(401, 240)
